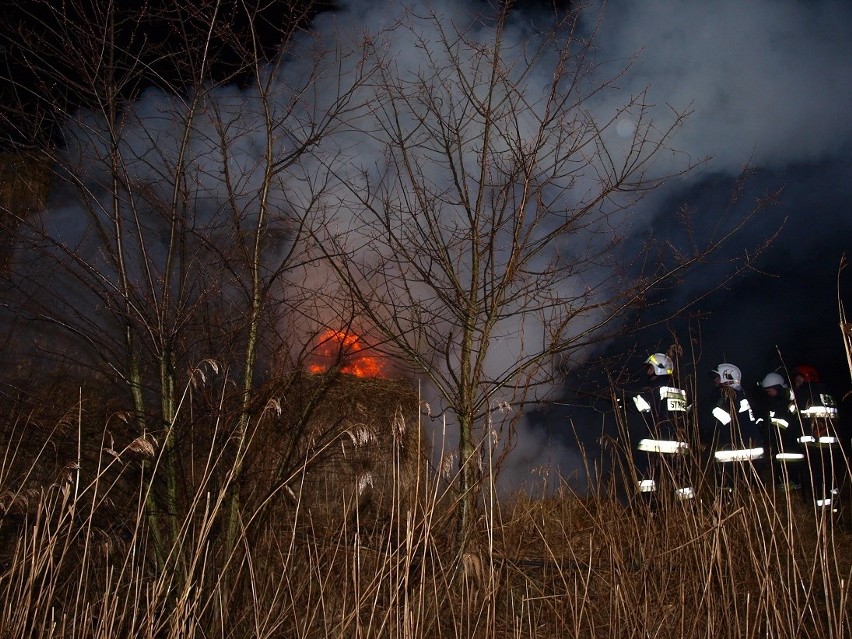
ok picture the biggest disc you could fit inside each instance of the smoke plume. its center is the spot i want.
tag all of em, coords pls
(767, 84)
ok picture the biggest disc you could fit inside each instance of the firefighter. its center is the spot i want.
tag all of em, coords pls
(779, 422)
(657, 422)
(817, 412)
(733, 433)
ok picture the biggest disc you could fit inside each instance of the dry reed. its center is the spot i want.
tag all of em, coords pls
(77, 556)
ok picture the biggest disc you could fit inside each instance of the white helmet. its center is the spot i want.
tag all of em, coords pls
(729, 374)
(773, 379)
(662, 364)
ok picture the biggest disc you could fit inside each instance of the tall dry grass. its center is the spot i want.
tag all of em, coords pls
(78, 559)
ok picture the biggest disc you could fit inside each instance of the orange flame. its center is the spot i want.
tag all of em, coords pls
(344, 349)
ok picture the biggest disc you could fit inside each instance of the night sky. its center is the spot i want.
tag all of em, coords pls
(769, 84)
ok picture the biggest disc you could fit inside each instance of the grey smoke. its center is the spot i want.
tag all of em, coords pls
(768, 82)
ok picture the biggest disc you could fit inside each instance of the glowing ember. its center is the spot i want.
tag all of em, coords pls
(342, 350)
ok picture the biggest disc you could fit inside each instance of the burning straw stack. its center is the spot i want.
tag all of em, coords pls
(357, 449)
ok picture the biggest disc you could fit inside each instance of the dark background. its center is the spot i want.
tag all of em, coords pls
(769, 83)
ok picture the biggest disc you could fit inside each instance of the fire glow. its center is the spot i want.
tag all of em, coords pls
(345, 352)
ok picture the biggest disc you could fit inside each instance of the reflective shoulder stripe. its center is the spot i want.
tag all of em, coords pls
(672, 392)
(827, 400)
(780, 423)
(722, 415)
(744, 406)
(641, 405)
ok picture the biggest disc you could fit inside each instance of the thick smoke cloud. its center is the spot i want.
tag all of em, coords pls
(363, 158)
(766, 82)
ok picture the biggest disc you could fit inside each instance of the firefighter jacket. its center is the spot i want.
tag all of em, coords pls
(779, 423)
(656, 415)
(818, 413)
(735, 434)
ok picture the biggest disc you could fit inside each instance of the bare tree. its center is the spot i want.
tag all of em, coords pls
(177, 135)
(479, 230)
